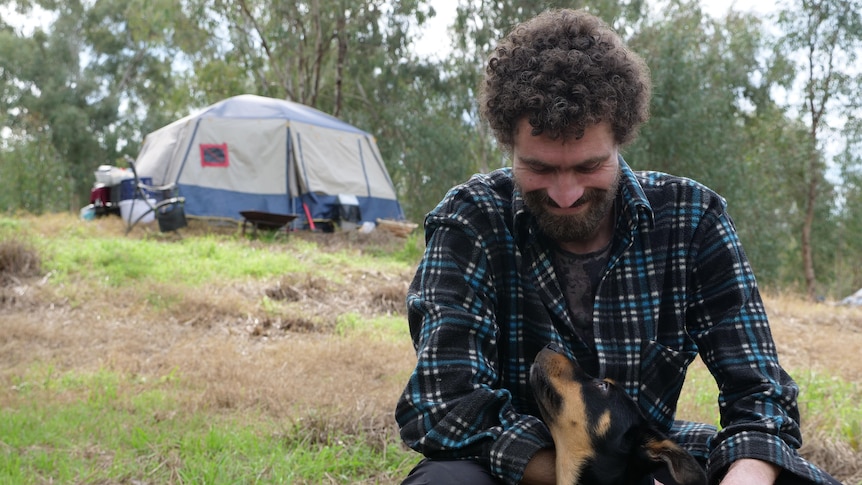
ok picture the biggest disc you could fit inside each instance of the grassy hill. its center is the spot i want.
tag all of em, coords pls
(214, 358)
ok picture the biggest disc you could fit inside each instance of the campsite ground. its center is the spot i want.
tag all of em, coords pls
(317, 363)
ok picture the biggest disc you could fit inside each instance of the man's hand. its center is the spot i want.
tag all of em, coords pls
(751, 472)
(541, 469)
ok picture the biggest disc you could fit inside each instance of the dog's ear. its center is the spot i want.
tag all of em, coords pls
(684, 469)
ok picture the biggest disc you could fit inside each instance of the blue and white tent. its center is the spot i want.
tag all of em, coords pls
(254, 153)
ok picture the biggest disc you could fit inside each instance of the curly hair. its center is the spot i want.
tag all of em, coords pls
(565, 70)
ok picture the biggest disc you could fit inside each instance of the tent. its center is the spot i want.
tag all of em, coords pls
(251, 153)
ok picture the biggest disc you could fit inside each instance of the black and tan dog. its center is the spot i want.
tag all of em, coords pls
(600, 435)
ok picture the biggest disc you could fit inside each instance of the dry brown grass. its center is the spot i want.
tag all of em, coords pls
(18, 259)
(817, 336)
(231, 356)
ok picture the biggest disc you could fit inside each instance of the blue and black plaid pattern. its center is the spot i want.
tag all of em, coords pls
(485, 300)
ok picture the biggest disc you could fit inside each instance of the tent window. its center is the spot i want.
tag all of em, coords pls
(214, 155)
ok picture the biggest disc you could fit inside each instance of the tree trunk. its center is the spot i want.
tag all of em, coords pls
(341, 57)
(807, 249)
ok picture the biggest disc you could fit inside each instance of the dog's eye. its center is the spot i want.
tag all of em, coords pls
(603, 386)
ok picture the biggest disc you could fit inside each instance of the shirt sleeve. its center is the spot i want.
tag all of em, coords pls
(452, 406)
(757, 398)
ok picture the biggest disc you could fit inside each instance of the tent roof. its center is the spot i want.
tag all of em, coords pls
(252, 106)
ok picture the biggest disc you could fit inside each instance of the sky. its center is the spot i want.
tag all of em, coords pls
(430, 43)
(435, 29)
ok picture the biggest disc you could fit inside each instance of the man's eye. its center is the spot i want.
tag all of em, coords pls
(539, 169)
(590, 167)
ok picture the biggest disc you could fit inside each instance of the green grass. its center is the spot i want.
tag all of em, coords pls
(833, 404)
(190, 262)
(830, 403)
(389, 327)
(103, 427)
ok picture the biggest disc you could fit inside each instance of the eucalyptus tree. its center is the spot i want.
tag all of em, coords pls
(314, 52)
(45, 99)
(823, 38)
(88, 85)
(713, 119)
(848, 249)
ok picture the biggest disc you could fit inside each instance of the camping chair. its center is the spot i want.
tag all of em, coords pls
(168, 208)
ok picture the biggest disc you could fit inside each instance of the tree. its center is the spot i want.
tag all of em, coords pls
(477, 28)
(88, 86)
(825, 36)
(713, 120)
(848, 247)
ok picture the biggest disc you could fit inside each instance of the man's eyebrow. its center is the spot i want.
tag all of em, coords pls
(589, 161)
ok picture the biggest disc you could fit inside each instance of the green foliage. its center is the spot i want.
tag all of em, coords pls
(35, 178)
(823, 38)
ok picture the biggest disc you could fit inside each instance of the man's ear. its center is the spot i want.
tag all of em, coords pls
(684, 469)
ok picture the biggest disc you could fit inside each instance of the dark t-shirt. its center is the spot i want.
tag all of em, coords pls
(579, 276)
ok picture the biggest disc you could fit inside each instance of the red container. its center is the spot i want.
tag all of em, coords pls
(100, 195)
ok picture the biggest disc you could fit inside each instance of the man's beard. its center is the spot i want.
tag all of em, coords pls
(575, 227)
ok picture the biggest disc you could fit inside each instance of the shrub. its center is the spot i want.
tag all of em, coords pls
(18, 260)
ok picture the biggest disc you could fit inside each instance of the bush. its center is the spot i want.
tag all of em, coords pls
(18, 260)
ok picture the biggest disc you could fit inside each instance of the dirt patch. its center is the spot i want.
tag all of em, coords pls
(817, 336)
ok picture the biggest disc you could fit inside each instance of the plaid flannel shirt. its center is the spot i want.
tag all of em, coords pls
(485, 300)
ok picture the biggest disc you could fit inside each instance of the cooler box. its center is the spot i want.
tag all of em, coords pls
(132, 209)
(103, 199)
(100, 194)
(348, 211)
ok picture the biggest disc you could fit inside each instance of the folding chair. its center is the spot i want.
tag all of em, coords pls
(168, 209)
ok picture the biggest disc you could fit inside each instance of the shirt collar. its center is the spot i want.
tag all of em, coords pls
(632, 197)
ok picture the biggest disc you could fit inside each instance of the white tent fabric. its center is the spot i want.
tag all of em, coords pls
(255, 153)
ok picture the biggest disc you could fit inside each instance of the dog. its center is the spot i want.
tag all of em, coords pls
(600, 435)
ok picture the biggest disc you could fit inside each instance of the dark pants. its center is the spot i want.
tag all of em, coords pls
(468, 472)
(450, 472)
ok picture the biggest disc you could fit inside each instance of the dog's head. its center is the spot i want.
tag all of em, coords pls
(600, 435)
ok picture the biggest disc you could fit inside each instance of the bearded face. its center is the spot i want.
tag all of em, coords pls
(577, 227)
(569, 183)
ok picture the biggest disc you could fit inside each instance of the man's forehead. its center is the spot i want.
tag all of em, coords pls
(524, 129)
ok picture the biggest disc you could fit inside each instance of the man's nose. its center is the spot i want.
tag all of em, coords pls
(565, 190)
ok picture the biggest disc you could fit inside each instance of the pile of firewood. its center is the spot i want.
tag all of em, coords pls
(399, 228)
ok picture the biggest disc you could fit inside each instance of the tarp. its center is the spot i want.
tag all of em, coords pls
(255, 153)
(853, 300)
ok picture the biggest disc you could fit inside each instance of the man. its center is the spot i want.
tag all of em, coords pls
(631, 273)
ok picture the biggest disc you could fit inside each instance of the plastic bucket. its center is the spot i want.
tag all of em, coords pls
(171, 217)
(127, 187)
(88, 213)
(132, 209)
